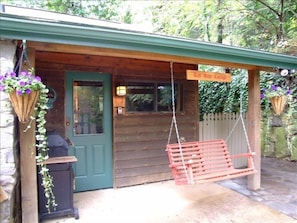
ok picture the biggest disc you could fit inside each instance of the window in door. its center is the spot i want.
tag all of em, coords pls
(88, 107)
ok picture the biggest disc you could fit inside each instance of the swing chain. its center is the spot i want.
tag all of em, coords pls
(173, 121)
(240, 118)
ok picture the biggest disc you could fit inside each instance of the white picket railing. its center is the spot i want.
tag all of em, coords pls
(219, 126)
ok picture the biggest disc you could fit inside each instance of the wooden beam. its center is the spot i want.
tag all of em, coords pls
(38, 46)
(28, 165)
(254, 128)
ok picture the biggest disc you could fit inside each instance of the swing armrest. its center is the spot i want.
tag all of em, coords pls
(242, 155)
(249, 156)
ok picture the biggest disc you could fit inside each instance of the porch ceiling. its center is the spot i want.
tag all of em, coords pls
(114, 41)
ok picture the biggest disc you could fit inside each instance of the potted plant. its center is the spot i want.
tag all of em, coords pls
(277, 96)
(29, 99)
(24, 90)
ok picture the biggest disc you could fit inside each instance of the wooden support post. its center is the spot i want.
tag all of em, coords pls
(254, 127)
(28, 174)
(28, 166)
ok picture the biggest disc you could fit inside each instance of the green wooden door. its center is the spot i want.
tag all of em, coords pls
(89, 127)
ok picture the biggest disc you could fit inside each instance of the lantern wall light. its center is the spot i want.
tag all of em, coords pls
(121, 90)
(285, 72)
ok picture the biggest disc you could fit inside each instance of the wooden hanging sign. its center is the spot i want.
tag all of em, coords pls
(208, 76)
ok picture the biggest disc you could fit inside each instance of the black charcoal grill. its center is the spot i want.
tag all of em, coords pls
(60, 168)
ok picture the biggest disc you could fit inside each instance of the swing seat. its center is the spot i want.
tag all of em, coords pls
(205, 161)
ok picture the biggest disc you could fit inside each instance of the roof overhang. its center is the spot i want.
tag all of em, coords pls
(48, 30)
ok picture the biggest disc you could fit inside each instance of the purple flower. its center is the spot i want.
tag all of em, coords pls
(288, 92)
(19, 92)
(263, 92)
(11, 74)
(273, 87)
(22, 83)
(24, 73)
(37, 78)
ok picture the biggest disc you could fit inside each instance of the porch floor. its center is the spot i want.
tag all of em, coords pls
(164, 202)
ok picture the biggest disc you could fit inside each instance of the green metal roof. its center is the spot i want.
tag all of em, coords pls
(89, 33)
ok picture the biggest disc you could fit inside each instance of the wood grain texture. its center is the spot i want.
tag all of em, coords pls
(139, 139)
(28, 170)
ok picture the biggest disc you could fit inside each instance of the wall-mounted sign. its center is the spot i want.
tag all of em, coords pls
(208, 76)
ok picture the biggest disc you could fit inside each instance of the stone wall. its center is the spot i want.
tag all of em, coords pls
(9, 181)
(279, 136)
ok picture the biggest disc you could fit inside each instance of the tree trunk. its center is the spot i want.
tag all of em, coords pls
(220, 27)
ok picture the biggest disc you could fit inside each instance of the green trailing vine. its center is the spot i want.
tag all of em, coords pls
(42, 149)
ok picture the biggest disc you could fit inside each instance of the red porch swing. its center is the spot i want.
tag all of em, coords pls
(204, 161)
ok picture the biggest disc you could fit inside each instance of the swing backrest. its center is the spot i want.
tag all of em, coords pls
(204, 157)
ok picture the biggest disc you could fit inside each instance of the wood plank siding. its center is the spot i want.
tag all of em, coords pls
(139, 139)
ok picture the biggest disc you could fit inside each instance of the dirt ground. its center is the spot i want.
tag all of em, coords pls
(164, 202)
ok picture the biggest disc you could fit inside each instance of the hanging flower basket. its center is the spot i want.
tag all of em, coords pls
(24, 104)
(278, 103)
(277, 96)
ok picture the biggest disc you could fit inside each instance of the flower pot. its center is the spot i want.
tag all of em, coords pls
(278, 104)
(24, 104)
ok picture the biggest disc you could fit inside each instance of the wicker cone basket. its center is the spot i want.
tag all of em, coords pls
(278, 104)
(24, 104)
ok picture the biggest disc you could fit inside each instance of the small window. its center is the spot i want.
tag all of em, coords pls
(140, 97)
(153, 97)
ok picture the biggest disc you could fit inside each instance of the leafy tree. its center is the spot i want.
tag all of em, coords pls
(258, 24)
(190, 19)
(100, 9)
(267, 24)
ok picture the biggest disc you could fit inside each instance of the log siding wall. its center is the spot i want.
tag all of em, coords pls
(139, 139)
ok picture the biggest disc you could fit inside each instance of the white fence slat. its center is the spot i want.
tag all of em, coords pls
(219, 126)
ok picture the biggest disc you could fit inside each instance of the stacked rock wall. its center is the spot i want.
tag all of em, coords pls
(9, 180)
